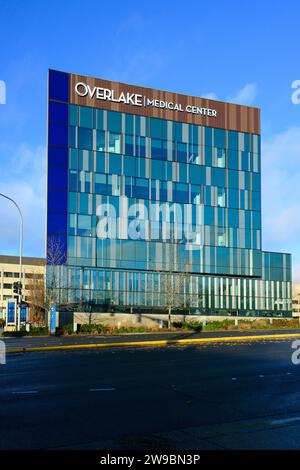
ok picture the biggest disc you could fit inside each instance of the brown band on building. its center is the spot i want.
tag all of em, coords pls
(229, 116)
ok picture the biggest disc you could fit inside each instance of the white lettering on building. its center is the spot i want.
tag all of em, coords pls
(83, 90)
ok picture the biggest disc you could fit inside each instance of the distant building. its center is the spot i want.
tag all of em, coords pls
(10, 273)
(296, 299)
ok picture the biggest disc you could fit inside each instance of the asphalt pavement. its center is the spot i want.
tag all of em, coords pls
(40, 341)
(210, 396)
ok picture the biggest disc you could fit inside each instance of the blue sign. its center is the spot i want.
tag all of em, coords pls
(53, 319)
(23, 313)
(11, 312)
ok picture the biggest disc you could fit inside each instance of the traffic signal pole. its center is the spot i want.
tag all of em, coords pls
(21, 257)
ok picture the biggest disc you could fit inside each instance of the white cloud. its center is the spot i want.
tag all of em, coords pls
(245, 95)
(281, 194)
(210, 96)
(142, 59)
(23, 179)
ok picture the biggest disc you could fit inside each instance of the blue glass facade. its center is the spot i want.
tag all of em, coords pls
(176, 179)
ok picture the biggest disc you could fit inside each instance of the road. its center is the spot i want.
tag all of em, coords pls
(222, 396)
(40, 341)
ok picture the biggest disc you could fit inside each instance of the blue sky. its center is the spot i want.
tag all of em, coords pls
(245, 52)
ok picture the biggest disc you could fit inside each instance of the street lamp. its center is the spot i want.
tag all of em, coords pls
(21, 246)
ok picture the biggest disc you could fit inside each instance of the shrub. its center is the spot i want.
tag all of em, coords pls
(35, 331)
(177, 324)
(261, 324)
(38, 331)
(219, 325)
(192, 325)
(93, 328)
(245, 325)
(86, 328)
(102, 328)
(67, 329)
(14, 334)
(285, 323)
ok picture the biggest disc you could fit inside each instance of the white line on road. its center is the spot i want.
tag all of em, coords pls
(25, 392)
(261, 376)
(102, 389)
(234, 378)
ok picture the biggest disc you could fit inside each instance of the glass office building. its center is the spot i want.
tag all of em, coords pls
(153, 194)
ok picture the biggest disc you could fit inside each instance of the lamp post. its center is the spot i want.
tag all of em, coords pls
(21, 248)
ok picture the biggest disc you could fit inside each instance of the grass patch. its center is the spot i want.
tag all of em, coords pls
(261, 324)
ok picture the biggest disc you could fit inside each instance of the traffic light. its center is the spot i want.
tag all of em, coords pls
(17, 288)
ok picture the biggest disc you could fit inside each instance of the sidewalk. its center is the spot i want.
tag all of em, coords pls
(48, 343)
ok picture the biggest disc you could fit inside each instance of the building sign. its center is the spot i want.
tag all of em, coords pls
(121, 97)
(135, 99)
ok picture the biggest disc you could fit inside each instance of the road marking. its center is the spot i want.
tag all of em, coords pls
(288, 373)
(25, 392)
(261, 376)
(234, 378)
(102, 389)
(286, 420)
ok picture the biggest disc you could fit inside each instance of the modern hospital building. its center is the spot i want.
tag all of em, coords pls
(154, 198)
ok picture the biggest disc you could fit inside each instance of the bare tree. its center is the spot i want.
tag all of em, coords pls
(55, 258)
(174, 289)
(41, 290)
(173, 284)
(36, 296)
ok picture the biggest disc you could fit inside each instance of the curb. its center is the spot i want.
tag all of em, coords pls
(224, 339)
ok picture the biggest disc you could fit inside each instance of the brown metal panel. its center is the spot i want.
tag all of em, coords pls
(229, 116)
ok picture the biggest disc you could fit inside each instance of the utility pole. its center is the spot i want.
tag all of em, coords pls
(21, 255)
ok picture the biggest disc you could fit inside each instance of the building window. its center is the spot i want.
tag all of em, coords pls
(34, 276)
(100, 141)
(220, 158)
(221, 197)
(85, 138)
(115, 143)
(181, 152)
(221, 236)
